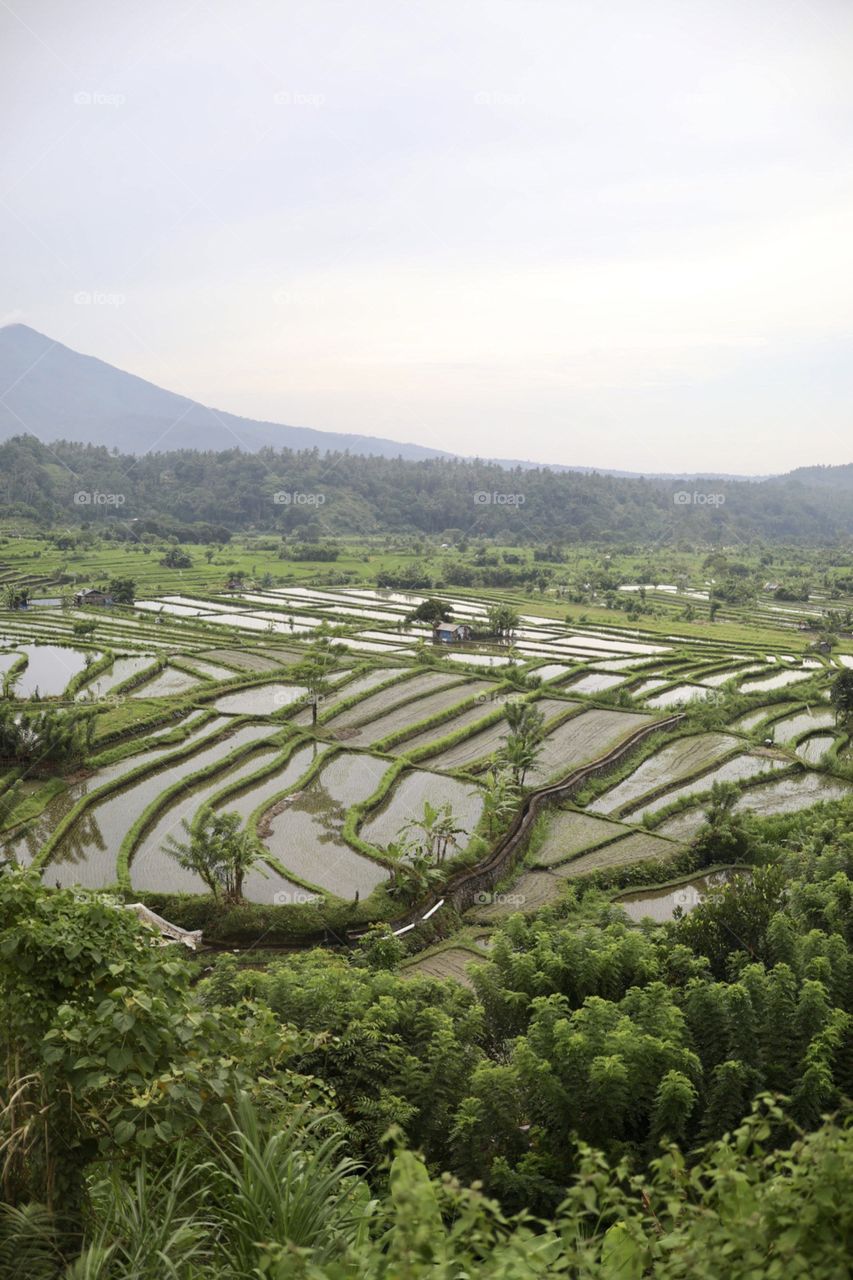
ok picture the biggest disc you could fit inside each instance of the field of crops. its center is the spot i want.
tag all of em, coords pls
(569, 832)
(638, 846)
(678, 760)
(199, 702)
(451, 962)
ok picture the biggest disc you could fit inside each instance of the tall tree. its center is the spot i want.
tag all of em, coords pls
(841, 695)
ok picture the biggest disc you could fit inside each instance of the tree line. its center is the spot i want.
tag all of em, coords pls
(208, 493)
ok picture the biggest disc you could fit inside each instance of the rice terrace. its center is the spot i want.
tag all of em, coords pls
(426, 640)
(378, 772)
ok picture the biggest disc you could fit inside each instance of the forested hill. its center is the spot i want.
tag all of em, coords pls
(348, 494)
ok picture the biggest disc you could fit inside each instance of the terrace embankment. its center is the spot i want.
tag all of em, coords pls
(462, 890)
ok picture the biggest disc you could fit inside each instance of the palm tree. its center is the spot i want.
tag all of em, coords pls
(525, 720)
(520, 755)
(523, 744)
(413, 877)
(438, 831)
(320, 663)
(842, 694)
(218, 852)
(500, 797)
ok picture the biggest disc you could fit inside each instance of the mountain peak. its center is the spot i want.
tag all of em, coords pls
(56, 393)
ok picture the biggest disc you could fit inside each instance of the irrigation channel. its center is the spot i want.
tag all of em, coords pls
(462, 890)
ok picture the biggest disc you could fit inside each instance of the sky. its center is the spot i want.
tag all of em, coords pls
(612, 233)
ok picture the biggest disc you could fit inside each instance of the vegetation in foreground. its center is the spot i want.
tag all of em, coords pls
(296, 1121)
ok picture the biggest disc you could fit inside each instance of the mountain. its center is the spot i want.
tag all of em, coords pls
(58, 394)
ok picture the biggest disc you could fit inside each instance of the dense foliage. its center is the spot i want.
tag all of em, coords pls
(600, 1076)
(47, 739)
(206, 495)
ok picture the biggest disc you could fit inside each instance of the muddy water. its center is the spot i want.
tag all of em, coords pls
(793, 726)
(584, 737)
(595, 682)
(672, 762)
(169, 682)
(306, 836)
(482, 660)
(812, 749)
(678, 695)
(377, 703)
(737, 770)
(780, 680)
(243, 661)
(49, 669)
(7, 660)
(407, 803)
(261, 701)
(661, 904)
(121, 670)
(483, 742)
(648, 686)
(247, 801)
(175, 610)
(210, 670)
(87, 853)
(362, 684)
(433, 704)
(787, 795)
(247, 622)
(464, 720)
(151, 869)
(200, 728)
(683, 826)
(551, 671)
(25, 845)
(753, 718)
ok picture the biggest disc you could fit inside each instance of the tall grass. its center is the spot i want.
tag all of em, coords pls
(283, 1190)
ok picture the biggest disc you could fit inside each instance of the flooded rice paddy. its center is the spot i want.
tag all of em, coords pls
(676, 760)
(151, 868)
(261, 701)
(737, 770)
(583, 738)
(406, 803)
(569, 832)
(662, 904)
(86, 854)
(49, 669)
(787, 795)
(306, 836)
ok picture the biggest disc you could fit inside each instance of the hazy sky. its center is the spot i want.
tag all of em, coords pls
(600, 232)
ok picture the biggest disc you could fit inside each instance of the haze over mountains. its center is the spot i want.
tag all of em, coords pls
(54, 393)
(58, 394)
